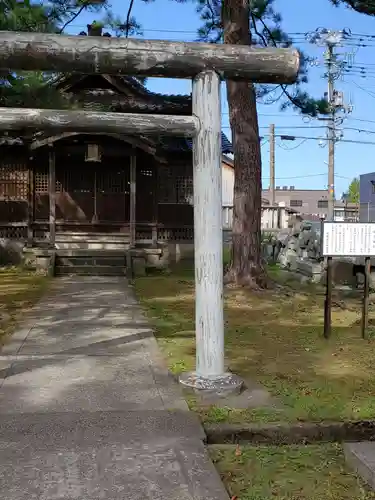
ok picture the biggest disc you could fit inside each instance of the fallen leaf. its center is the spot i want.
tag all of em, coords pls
(238, 452)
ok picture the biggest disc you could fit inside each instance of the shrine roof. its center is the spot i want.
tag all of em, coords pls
(126, 94)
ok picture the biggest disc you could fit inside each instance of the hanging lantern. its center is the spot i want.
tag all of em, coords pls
(93, 153)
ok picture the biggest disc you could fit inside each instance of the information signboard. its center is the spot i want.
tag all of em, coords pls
(348, 239)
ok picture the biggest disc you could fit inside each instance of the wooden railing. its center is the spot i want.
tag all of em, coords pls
(144, 231)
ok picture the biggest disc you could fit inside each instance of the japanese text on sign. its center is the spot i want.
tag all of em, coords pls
(354, 239)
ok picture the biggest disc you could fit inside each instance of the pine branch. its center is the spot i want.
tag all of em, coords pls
(361, 6)
(293, 100)
(261, 10)
(127, 25)
(72, 18)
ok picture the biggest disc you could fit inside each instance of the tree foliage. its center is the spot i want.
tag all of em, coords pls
(361, 6)
(246, 266)
(33, 89)
(24, 16)
(352, 195)
(258, 23)
(265, 25)
(26, 89)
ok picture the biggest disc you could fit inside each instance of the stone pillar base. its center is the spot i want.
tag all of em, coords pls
(222, 386)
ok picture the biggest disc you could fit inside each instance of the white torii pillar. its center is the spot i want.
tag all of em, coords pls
(210, 372)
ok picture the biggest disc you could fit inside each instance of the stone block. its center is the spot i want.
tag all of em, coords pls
(10, 251)
(361, 458)
(139, 266)
(343, 273)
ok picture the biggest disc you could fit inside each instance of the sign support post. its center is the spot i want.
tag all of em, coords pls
(328, 300)
(348, 240)
(366, 298)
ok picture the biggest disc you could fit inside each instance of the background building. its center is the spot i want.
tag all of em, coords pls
(307, 202)
(311, 203)
(367, 197)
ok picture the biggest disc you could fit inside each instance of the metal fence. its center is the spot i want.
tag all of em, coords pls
(346, 213)
(367, 212)
(364, 212)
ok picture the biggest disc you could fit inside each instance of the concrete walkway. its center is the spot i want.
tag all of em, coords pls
(88, 410)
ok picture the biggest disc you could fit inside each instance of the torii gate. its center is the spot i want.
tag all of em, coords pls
(206, 64)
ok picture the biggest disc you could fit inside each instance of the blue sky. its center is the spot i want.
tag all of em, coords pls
(299, 163)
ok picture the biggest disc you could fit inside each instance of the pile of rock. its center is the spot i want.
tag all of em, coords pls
(299, 249)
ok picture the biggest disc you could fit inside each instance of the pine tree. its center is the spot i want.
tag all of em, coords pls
(250, 23)
(24, 16)
(34, 89)
(17, 16)
(361, 6)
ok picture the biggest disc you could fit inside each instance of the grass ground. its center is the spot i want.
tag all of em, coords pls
(275, 338)
(315, 472)
(19, 290)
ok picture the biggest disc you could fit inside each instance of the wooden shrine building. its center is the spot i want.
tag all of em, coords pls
(138, 188)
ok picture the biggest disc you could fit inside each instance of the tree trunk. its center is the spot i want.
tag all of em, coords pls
(246, 267)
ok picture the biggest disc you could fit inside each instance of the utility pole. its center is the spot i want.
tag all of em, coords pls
(272, 164)
(331, 133)
(331, 39)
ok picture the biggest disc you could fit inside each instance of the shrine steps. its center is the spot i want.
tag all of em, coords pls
(101, 254)
(92, 241)
(91, 253)
(91, 262)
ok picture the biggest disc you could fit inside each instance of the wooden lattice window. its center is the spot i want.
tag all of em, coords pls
(184, 189)
(59, 186)
(14, 232)
(175, 184)
(41, 180)
(147, 173)
(13, 181)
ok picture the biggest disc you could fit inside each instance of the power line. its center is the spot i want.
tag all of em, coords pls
(356, 69)
(288, 148)
(291, 127)
(363, 71)
(360, 130)
(354, 129)
(295, 177)
(308, 176)
(282, 115)
(361, 64)
(297, 37)
(355, 40)
(368, 92)
(325, 139)
(306, 138)
(360, 69)
(321, 139)
(360, 120)
(363, 35)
